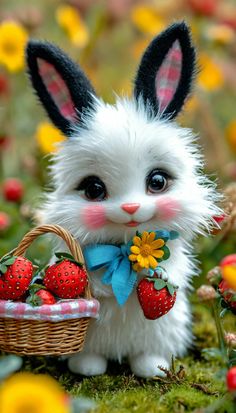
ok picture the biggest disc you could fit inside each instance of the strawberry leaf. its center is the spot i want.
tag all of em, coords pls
(3, 268)
(159, 284)
(64, 255)
(4, 258)
(34, 300)
(166, 252)
(33, 288)
(10, 261)
(171, 289)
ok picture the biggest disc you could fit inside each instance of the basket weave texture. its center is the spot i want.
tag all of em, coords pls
(40, 337)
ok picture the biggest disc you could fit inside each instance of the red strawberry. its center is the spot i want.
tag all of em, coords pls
(15, 276)
(40, 296)
(66, 278)
(231, 379)
(156, 297)
(228, 260)
(13, 190)
(227, 294)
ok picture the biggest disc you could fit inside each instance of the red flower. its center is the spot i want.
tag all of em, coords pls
(5, 221)
(13, 190)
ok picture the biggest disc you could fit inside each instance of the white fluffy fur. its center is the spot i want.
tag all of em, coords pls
(121, 144)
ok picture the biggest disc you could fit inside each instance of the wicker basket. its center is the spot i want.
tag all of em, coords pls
(39, 337)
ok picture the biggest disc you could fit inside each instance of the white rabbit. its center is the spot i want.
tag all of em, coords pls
(128, 167)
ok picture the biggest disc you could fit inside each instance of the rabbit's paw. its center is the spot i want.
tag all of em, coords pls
(147, 365)
(87, 364)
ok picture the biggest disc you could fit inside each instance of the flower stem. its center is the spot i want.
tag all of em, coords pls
(220, 334)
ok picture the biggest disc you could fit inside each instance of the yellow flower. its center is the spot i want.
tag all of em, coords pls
(48, 136)
(221, 33)
(147, 20)
(211, 77)
(145, 251)
(13, 38)
(231, 134)
(70, 20)
(29, 393)
(229, 275)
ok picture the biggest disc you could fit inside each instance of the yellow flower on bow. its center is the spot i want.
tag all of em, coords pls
(70, 20)
(145, 251)
(13, 38)
(48, 136)
(27, 392)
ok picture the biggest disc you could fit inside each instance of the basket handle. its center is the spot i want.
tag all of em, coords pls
(70, 241)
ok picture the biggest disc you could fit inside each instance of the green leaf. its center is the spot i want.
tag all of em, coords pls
(159, 283)
(3, 268)
(34, 300)
(64, 255)
(6, 257)
(223, 312)
(36, 287)
(166, 252)
(212, 353)
(171, 289)
(10, 261)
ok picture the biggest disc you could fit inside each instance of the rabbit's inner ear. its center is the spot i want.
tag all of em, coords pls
(57, 89)
(168, 76)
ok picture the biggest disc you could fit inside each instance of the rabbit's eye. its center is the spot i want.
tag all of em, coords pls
(94, 189)
(157, 181)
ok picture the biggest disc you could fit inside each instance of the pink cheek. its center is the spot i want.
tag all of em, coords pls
(94, 216)
(167, 208)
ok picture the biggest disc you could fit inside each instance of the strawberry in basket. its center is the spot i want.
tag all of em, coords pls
(15, 276)
(66, 278)
(49, 324)
(39, 295)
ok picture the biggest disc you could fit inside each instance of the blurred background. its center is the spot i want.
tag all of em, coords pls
(108, 38)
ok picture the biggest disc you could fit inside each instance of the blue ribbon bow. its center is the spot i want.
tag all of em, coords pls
(119, 273)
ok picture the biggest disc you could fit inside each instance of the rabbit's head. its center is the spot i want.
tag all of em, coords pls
(128, 166)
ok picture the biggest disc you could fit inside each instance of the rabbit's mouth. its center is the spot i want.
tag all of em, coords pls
(133, 224)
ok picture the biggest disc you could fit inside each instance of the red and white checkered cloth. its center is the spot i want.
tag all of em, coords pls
(62, 310)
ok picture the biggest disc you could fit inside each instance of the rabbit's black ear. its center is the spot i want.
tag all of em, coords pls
(166, 71)
(61, 86)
